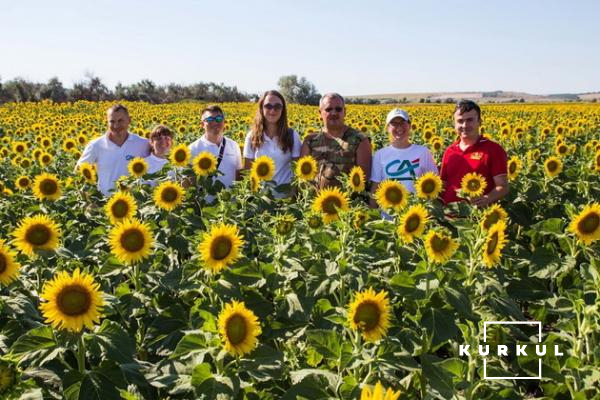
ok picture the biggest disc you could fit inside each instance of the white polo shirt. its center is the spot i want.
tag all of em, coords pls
(270, 147)
(112, 160)
(155, 164)
(232, 157)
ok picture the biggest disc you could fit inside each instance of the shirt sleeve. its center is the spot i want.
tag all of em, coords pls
(443, 169)
(248, 153)
(376, 168)
(297, 145)
(498, 161)
(88, 156)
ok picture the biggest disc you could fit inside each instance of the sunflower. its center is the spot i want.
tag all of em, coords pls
(88, 171)
(46, 186)
(370, 314)
(69, 145)
(204, 163)
(9, 268)
(72, 301)
(473, 184)
(494, 243)
(45, 158)
(23, 182)
(586, 224)
(239, 328)
(356, 179)
(39, 232)
(329, 202)
(220, 247)
(137, 167)
(553, 166)
(284, 224)
(597, 162)
(378, 393)
(168, 195)
(314, 220)
(492, 215)
(306, 168)
(360, 219)
(561, 149)
(263, 168)
(8, 376)
(391, 195)
(121, 206)
(428, 186)
(180, 155)
(19, 147)
(514, 166)
(412, 223)
(439, 246)
(131, 241)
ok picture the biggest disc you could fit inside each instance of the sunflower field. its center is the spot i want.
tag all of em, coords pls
(157, 293)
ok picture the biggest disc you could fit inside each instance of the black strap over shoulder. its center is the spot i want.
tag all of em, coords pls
(221, 151)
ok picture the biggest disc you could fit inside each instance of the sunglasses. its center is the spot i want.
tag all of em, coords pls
(337, 109)
(277, 106)
(218, 119)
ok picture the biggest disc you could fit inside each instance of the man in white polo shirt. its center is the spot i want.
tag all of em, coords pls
(227, 151)
(112, 152)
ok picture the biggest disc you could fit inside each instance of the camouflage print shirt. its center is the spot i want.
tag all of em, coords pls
(334, 155)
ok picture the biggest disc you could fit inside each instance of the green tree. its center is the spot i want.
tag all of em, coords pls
(299, 91)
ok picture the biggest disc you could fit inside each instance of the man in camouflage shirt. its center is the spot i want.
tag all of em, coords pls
(337, 148)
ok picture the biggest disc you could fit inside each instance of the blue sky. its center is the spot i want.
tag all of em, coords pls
(352, 47)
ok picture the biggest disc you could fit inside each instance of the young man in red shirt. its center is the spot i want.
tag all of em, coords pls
(473, 152)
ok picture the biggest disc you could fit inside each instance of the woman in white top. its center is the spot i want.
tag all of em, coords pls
(400, 160)
(271, 136)
(161, 140)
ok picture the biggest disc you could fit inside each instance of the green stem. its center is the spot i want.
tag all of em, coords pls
(81, 354)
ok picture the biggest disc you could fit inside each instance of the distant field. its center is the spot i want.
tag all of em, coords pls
(483, 97)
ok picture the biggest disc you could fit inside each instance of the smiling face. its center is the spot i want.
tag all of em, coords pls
(118, 122)
(161, 145)
(467, 125)
(399, 129)
(332, 112)
(211, 126)
(272, 109)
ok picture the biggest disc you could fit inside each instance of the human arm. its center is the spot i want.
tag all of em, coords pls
(500, 190)
(364, 157)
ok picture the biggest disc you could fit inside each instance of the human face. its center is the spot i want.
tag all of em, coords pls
(333, 112)
(467, 125)
(118, 122)
(161, 145)
(400, 130)
(272, 109)
(213, 127)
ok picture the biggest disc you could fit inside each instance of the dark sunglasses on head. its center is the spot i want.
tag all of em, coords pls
(218, 119)
(337, 109)
(277, 106)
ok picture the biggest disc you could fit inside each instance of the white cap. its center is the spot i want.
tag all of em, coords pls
(397, 112)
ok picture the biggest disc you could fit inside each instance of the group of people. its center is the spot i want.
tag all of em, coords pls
(337, 148)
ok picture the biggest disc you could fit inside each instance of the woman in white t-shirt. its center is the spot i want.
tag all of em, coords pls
(271, 136)
(401, 160)
(161, 140)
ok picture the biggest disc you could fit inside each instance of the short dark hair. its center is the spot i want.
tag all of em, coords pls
(465, 105)
(213, 109)
(160, 130)
(118, 107)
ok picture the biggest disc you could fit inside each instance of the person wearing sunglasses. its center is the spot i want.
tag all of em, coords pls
(337, 148)
(271, 136)
(227, 151)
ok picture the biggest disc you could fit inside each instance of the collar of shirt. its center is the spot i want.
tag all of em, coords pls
(481, 139)
(205, 140)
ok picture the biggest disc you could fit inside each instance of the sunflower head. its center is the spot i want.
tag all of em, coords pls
(553, 166)
(168, 195)
(370, 314)
(137, 167)
(360, 219)
(513, 167)
(586, 224)
(428, 186)
(440, 246)
(391, 195)
(72, 302)
(9, 268)
(38, 232)
(356, 180)
(263, 168)
(131, 241)
(306, 168)
(412, 223)
(473, 185)
(45, 158)
(8, 376)
(88, 172)
(378, 393)
(204, 163)
(329, 202)
(284, 224)
(46, 187)
(23, 182)
(494, 243)
(314, 220)
(492, 215)
(239, 328)
(120, 207)
(220, 247)
(180, 155)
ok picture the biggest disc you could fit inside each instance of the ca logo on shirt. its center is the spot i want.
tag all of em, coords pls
(399, 168)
